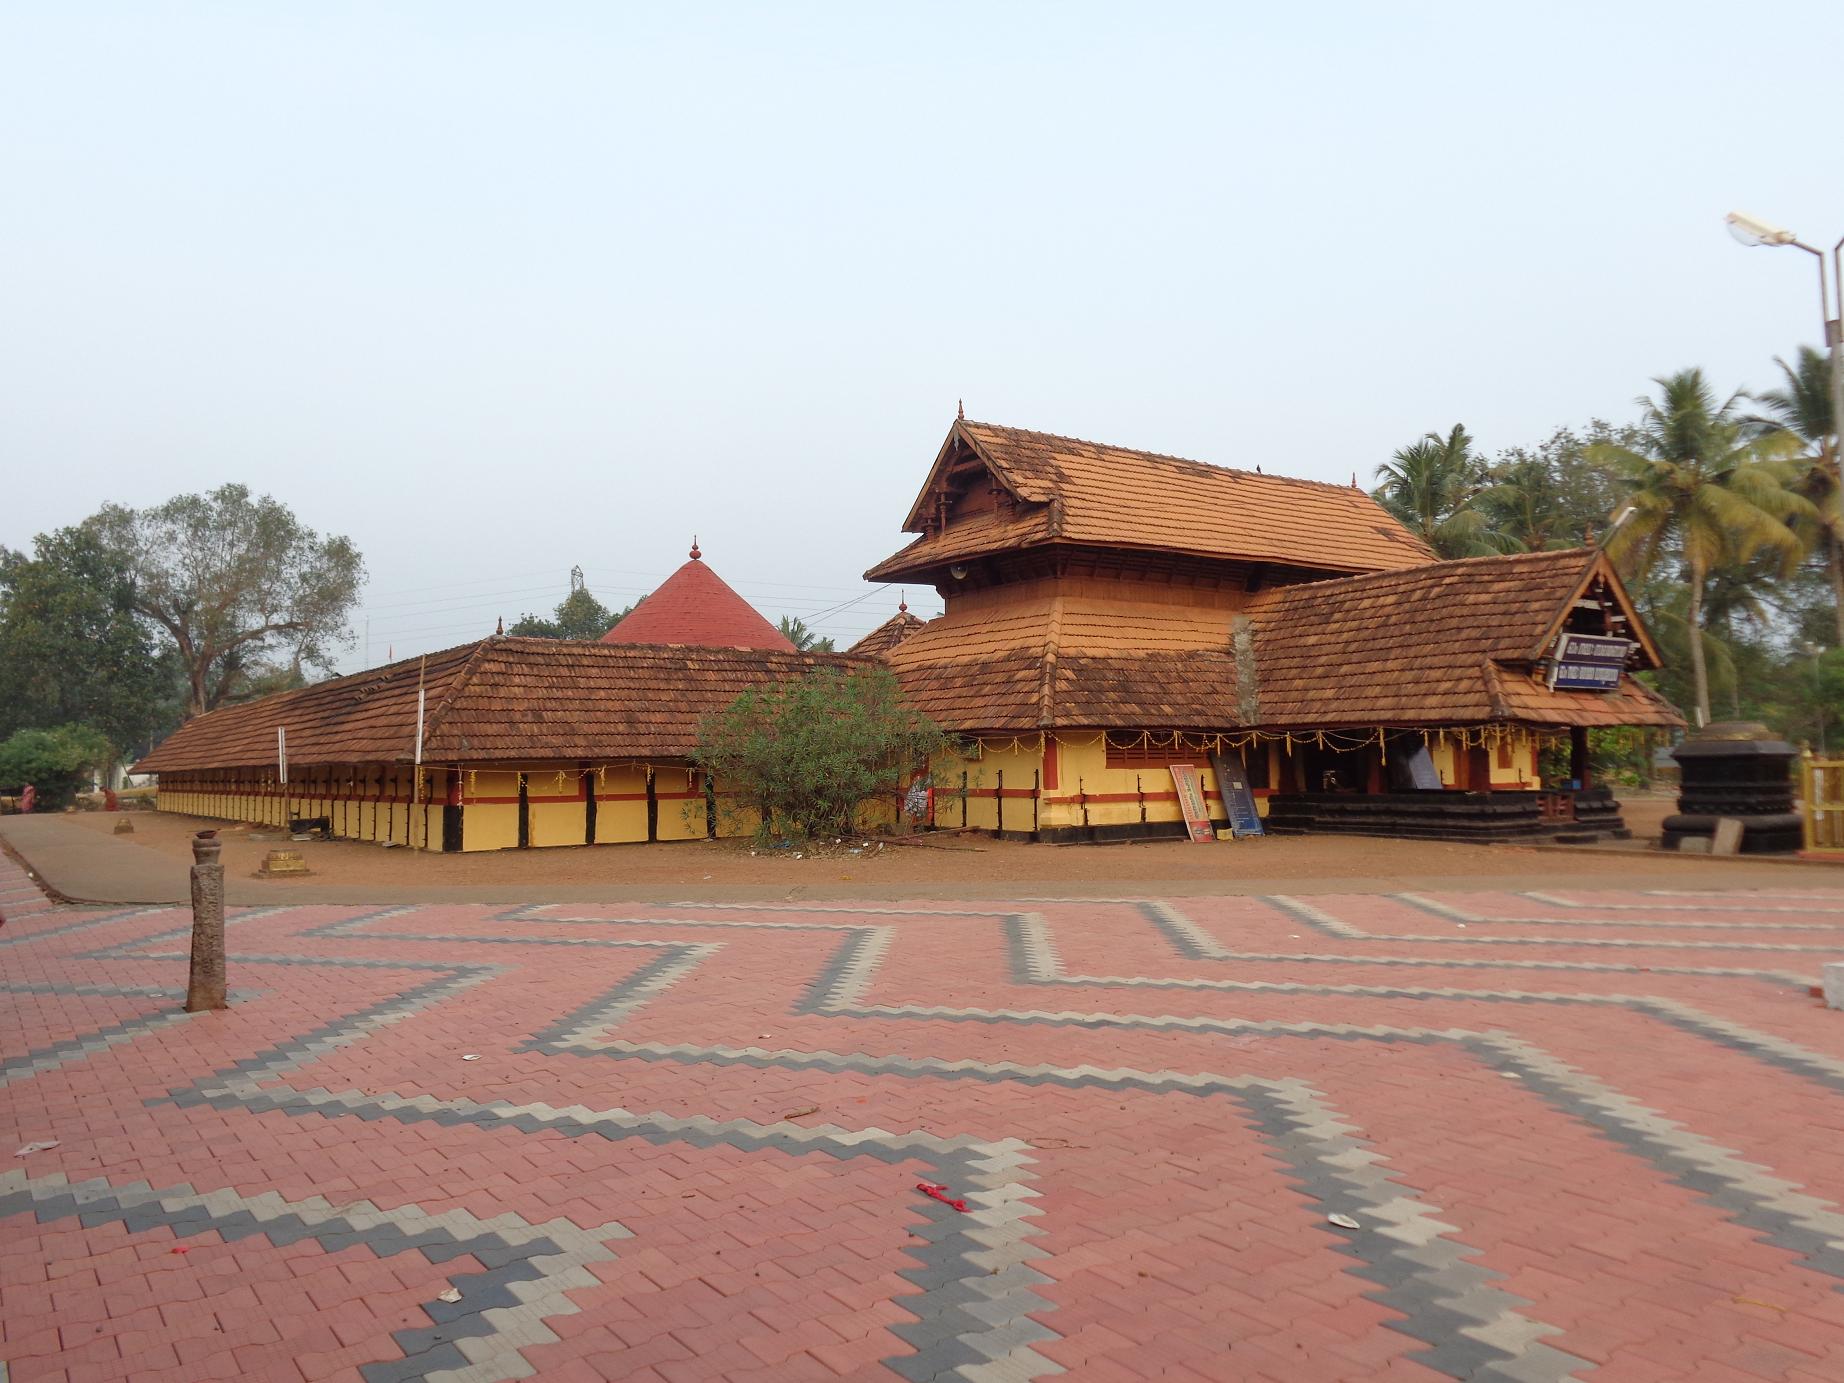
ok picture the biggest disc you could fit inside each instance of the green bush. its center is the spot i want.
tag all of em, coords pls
(55, 762)
(807, 754)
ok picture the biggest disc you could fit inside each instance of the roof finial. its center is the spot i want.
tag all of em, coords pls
(1353, 480)
(694, 552)
(499, 630)
(902, 603)
(960, 409)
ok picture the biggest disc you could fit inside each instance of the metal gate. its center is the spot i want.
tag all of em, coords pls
(1821, 798)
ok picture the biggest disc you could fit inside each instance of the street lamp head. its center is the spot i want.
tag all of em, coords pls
(1751, 230)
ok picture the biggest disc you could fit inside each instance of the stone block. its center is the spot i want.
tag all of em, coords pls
(280, 862)
(1727, 839)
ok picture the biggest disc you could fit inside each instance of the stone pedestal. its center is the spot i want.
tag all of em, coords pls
(281, 862)
(1736, 769)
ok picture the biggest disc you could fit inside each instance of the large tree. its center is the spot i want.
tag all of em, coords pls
(1430, 486)
(579, 616)
(72, 650)
(1705, 488)
(1802, 410)
(236, 582)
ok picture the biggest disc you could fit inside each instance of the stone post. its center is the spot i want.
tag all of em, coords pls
(205, 985)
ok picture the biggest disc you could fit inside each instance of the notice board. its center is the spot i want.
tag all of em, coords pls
(1191, 802)
(1238, 799)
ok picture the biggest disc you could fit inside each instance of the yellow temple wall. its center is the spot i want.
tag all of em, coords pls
(372, 803)
(359, 803)
(1113, 796)
(1007, 766)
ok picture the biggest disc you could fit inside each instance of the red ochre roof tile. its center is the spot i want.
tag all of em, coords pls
(1072, 491)
(696, 606)
(887, 635)
(500, 700)
(1446, 643)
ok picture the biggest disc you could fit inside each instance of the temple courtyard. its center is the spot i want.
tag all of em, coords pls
(1520, 1115)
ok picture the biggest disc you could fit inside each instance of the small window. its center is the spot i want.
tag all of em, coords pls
(1157, 754)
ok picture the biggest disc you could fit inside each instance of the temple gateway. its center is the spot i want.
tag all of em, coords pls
(1108, 613)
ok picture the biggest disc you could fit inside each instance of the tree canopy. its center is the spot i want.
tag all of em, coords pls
(579, 616)
(795, 631)
(235, 581)
(72, 650)
(1430, 486)
(1714, 491)
(56, 762)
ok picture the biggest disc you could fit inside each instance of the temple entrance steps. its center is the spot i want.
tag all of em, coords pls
(1585, 817)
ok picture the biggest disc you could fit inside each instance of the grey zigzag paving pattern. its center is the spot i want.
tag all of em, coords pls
(980, 1315)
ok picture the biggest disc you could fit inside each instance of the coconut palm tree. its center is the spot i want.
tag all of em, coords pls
(795, 631)
(1525, 505)
(1802, 410)
(1707, 486)
(1429, 486)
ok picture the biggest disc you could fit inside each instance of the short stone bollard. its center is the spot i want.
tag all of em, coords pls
(124, 827)
(1834, 984)
(205, 983)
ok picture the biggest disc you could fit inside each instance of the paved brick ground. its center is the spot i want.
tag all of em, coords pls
(1488, 1135)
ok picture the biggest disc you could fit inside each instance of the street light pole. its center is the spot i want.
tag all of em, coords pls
(1753, 231)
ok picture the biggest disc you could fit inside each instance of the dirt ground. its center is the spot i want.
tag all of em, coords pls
(966, 865)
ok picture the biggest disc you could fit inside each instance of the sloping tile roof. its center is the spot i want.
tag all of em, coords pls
(887, 635)
(531, 697)
(1441, 642)
(1447, 643)
(369, 717)
(1050, 660)
(499, 700)
(1073, 491)
(696, 606)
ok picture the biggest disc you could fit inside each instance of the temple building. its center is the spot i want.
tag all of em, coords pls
(1112, 612)
(524, 742)
(1108, 613)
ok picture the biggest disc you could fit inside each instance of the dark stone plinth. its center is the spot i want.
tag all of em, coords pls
(1736, 769)
(1513, 815)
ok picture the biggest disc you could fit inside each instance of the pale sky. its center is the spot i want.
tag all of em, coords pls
(498, 289)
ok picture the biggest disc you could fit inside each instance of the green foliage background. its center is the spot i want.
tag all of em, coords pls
(55, 762)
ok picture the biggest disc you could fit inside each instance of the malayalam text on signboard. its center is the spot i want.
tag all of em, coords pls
(1191, 802)
(1589, 662)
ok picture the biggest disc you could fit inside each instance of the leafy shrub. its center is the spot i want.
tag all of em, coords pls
(56, 762)
(807, 754)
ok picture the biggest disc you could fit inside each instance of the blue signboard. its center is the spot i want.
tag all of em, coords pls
(1589, 662)
(1238, 800)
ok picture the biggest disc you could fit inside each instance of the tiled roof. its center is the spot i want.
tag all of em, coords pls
(1028, 662)
(369, 717)
(499, 700)
(1447, 643)
(1071, 491)
(1443, 642)
(695, 606)
(887, 635)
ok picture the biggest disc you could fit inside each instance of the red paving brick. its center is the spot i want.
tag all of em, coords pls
(1594, 1132)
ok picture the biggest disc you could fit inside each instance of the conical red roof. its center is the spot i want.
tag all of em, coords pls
(695, 606)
